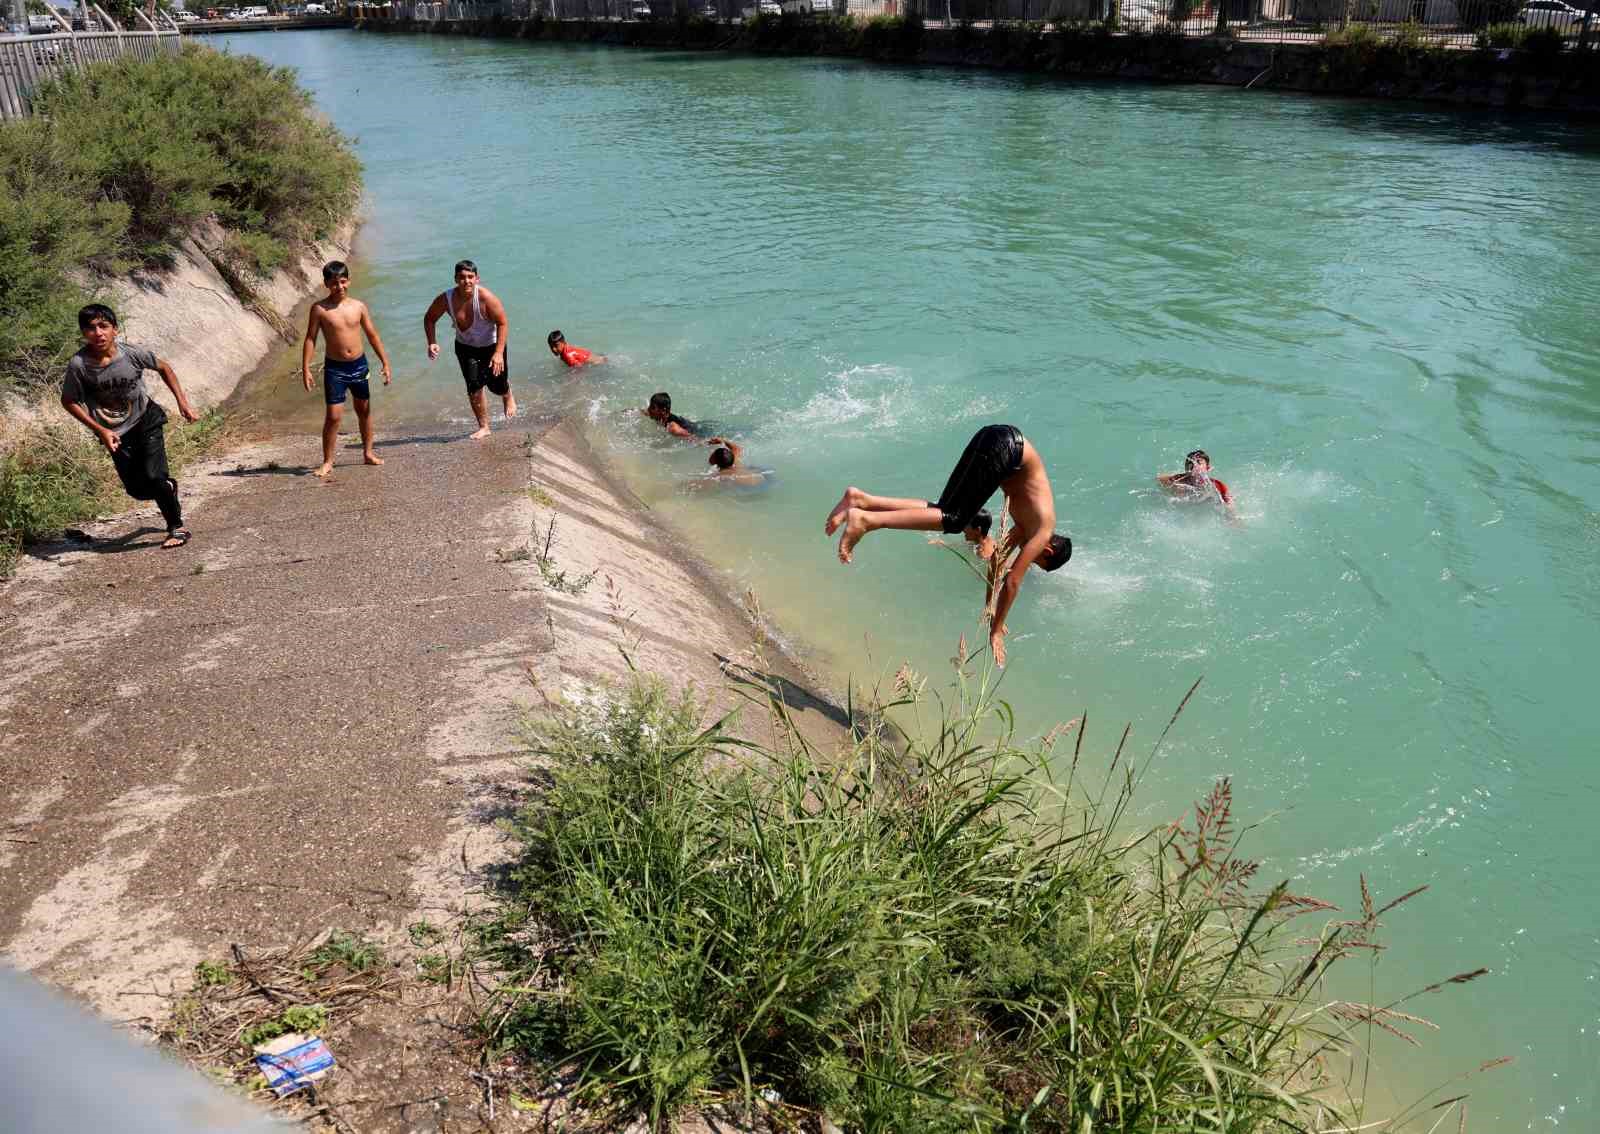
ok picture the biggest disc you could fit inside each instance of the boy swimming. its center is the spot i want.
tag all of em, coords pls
(727, 459)
(997, 457)
(342, 320)
(573, 356)
(660, 410)
(104, 389)
(1195, 482)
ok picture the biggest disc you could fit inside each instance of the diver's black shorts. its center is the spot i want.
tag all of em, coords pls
(994, 453)
(474, 362)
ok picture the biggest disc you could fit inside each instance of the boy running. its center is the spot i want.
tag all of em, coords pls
(342, 320)
(479, 319)
(998, 456)
(573, 356)
(104, 389)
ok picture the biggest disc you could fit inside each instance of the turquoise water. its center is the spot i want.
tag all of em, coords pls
(1380, 320)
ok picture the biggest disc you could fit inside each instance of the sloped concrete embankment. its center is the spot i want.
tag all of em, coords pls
(307, 716)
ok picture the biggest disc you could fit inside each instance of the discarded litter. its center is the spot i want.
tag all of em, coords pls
(292, 1062)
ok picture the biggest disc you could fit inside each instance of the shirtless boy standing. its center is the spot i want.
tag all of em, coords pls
(342, 320)
(480, 323)
(998, 456)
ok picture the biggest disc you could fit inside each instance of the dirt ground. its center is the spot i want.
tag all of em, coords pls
(307, 717)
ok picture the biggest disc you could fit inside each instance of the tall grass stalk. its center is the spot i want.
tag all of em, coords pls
(938, 928)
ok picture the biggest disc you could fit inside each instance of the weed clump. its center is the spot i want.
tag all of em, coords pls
(937, 929)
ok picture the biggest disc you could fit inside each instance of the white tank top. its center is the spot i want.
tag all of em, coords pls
(482, 333)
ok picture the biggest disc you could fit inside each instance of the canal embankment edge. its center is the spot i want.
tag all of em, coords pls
(1568, 82)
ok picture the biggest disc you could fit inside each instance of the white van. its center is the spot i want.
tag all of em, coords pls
(256, 13)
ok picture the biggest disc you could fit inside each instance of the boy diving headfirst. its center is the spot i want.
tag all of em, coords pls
(998, 456)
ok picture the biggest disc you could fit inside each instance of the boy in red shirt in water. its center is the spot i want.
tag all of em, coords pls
(573, 356)
(1195, 482)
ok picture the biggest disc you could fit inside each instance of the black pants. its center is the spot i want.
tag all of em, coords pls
(141, 461)
(475, 361)
(994, 453)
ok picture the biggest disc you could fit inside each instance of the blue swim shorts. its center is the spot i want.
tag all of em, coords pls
(337, 377)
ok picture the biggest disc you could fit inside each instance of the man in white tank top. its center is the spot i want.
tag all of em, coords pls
(480, 325)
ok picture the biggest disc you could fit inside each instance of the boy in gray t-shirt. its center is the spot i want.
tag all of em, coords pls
(104, 389)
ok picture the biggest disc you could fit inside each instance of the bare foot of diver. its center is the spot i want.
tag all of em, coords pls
(371, 458)
(836, 517)
(323, 469)
(855, 527)
(511, 405)
(479, 434)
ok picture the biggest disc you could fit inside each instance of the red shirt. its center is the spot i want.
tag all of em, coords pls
(575, 355)
(1198, 483)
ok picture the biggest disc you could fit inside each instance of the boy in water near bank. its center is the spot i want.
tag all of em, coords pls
(998, 456)
(660, 410)
(342, 320)
(727, 459)
(573, 356)
(481, 327)
(104, 388)
(1195, 482)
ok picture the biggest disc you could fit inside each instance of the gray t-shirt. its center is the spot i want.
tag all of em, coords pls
(113, 394)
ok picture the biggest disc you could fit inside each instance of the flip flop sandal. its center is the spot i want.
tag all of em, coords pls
(182, 535)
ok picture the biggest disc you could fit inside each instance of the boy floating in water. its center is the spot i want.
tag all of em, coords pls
(727, 458)
(573, 356)
(660, 410)
(998, 456)
(479, 319)
(104, 389)
(1195, 482)
(343, 321)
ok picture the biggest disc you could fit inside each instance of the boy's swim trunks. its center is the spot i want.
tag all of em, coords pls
(994, 453)
(339, 376)
(475, 361)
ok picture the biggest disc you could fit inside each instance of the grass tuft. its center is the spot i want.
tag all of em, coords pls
(937, 929)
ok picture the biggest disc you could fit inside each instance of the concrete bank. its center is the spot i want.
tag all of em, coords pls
(1568, 82)
(306, 717)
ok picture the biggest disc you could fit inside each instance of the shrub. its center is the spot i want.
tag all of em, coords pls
(936, 930)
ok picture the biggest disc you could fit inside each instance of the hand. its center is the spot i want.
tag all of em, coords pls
(186, 411)
(997, 646)
(305, 376)
(497, 365)
(716, 441)
(433, 351)
(110, 440)
(385, 373)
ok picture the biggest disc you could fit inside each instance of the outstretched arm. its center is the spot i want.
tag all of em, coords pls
(430, 318)
(170, 377)
(309, 346)
(371, 330)
(1008, 593)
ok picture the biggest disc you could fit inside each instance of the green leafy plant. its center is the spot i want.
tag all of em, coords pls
(351, 950)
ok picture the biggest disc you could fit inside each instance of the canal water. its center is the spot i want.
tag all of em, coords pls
(1383, 322)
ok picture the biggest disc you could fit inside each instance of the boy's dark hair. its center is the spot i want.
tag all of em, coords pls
(555, 337)
(1197, 455)
(466, 265)
(93, 311)
(661, 401)
(982, 521)
(722, 457)
(1059, 550)
(334, 270)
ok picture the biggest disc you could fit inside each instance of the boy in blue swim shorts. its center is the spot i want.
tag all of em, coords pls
(342, 319)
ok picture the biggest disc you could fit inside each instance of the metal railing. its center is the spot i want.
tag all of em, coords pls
(28, 60)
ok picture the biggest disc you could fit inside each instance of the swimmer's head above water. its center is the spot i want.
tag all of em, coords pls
(555, 339)
(660, 407)
(1197, 461)
(721, 457)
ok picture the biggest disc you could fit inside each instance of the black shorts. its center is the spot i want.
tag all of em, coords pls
(474, 362)
(141, 456)
(994, 453)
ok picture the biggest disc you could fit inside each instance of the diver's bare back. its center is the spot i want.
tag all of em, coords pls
(341, 328)
(1032, 504)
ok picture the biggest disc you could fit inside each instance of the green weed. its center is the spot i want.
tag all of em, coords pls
(208, 973)
(936, 929)
(351, 950)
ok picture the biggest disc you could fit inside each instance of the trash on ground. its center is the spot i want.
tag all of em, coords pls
(292, 1062)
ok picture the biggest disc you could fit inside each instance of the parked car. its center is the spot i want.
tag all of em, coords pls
(316, 9)
(769, 8)
(184, 16)
(1551, 14)
(639, 11)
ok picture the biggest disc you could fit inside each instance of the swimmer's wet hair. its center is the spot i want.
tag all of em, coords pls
(555, 337)
(335, 270)
(1059, 550)
(722, 457)
(1197, 455)
(661, 401)
(982, 521)
(89, 314)
(465, 265)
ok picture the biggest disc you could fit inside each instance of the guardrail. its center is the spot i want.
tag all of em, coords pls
(28, 60)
